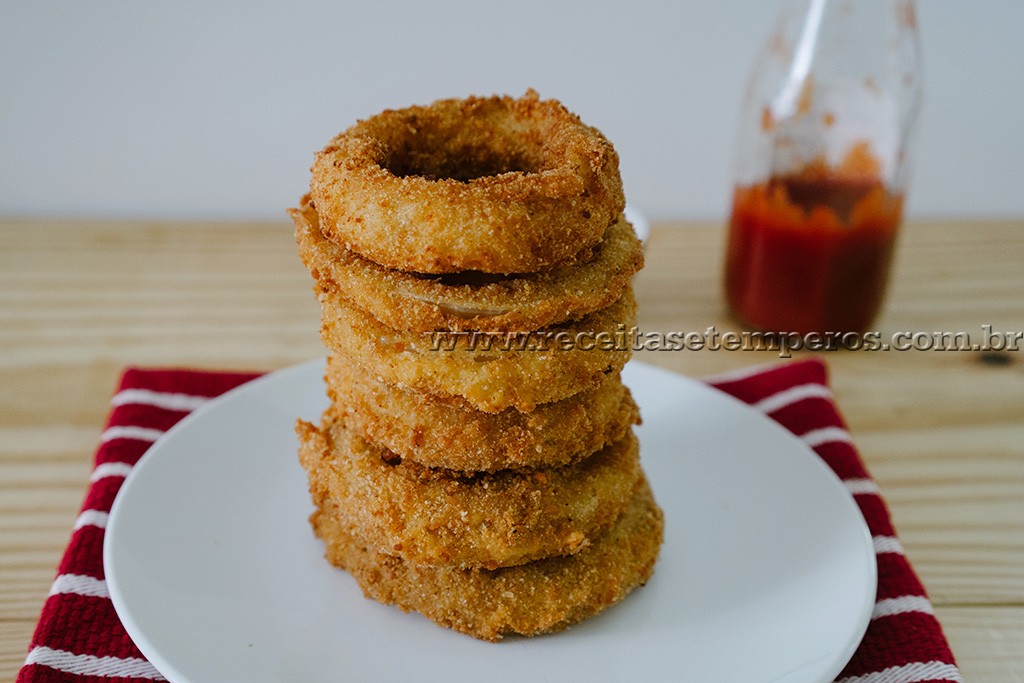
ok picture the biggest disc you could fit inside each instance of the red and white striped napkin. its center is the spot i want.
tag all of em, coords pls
(80, 639)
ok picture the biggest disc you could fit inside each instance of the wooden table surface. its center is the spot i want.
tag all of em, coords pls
(941, 431)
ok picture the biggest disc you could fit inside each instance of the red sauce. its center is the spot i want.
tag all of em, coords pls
(810, 252)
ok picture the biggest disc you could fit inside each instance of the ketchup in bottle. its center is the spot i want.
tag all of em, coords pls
(811, 251)
(823, 167)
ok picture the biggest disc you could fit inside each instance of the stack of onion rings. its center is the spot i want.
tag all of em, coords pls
(477, 461)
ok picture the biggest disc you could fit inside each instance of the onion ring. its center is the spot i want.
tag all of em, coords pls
(494, 304)
(437, 517)
(438, 432)
(529, 599)
(497, 185)
(530, 370)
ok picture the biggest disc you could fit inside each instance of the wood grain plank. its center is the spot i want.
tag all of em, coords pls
(14, 639)
(987, 641)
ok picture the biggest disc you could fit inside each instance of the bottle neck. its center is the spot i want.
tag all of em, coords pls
(836, 77)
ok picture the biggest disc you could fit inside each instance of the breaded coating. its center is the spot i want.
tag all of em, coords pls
(530, 599)
(490, 373)
(471, 301)
(444, 432)
(494, 184)
(437, 517)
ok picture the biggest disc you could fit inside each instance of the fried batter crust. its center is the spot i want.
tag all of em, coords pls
(437, 517)
(493, 304)
(539, 597)
(494, 184)
(488, 379)
(443, 432)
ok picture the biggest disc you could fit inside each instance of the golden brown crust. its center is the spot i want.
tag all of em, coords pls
(496, 184)
(477, 463)
(439, 432)
(438, 517)
(494, 304)
(489, 379)
(530, 599)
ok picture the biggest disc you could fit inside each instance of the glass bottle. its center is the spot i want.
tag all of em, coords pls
(823, 166)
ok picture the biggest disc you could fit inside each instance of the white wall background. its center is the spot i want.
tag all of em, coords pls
(127, 108)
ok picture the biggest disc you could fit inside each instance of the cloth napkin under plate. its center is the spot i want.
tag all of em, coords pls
(80, 639)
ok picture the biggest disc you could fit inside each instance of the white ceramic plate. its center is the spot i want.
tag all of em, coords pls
(767, 572)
